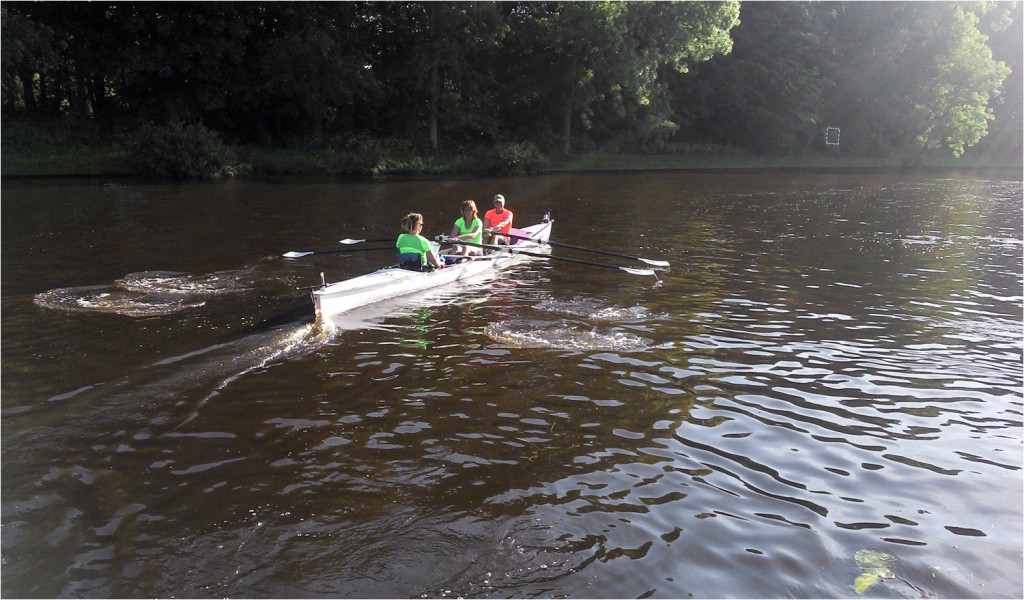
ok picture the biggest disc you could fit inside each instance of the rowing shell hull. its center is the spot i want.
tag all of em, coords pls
(392, 282)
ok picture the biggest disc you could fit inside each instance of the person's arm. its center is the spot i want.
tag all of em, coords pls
(434, 259)
(506, 221)
(432, 256)
(428, 250)
(478, 225)
(455, 232)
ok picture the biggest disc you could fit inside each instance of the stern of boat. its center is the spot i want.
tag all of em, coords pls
(317, 311)
(539, 233)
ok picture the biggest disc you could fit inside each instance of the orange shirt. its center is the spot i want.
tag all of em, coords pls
(493, 218)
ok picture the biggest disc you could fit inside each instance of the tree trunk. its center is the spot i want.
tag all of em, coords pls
(318, 125)
(567, 124)
(98, 96)
(434, 93)
(45, 102)
(80, 105)
(569, 102)
(29, 92)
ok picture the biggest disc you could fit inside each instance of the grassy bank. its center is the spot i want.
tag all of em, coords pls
(47, 150)
(647, 162)
(31, 149)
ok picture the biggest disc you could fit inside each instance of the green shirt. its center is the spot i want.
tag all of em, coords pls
(477, 225)
(413, 244)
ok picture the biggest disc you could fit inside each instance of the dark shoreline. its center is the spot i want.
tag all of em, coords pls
(858, 170)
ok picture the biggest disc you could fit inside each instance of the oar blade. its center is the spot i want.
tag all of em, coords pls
(652, 262)
(294, 254)
(350, 241)
(633, 271)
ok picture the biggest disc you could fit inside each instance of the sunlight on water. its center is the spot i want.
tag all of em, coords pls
(593, 327)
(562, 335)
(834, 372)
(592, 309)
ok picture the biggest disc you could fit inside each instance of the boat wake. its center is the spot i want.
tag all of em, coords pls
(562, 335)
(255, 354)
(152, 396)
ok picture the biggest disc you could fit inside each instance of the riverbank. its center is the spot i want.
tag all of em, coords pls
(34, 151)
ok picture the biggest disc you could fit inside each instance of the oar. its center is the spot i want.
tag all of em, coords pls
(655, 263)
(352, 241)
(514, 250)
(294, 254)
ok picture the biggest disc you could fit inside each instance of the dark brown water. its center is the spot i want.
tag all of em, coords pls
(832, 364)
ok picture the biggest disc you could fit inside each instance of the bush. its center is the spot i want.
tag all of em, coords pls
(182, 151)
(514, 159)
(363, 155)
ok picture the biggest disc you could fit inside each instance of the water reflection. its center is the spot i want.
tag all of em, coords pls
(832, 365)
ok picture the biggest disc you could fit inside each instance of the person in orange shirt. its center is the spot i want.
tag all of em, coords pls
(498, 222)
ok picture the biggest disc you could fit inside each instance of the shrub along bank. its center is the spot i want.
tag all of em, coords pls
(180, 151)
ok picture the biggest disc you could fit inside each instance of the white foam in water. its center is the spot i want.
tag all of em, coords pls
(593, 309)
(542, 334)
(223, 282)
(148, 293)
(113, 300)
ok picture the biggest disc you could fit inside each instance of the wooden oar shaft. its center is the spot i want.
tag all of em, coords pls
(594, 250)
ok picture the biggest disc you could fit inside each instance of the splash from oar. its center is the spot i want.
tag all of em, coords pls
(223, 282)
(562, 336)
(593, 309)
(113, 300)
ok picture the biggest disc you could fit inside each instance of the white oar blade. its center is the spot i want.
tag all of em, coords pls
(350, 241)
(633, 271)
(655, 263)
(294, 254)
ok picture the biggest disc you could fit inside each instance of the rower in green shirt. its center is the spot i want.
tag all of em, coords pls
(414, 251)
(467, 228)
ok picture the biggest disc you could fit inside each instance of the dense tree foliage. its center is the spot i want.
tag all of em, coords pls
(899, 78)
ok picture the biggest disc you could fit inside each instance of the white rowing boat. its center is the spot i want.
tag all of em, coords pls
(390, 282)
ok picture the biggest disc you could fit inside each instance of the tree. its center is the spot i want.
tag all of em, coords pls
(311, 67)
(954, 101)
(899, 78)
(767, 94)
(911, 77)
(28, 49)
(431, 56)
(587, 52)
(1003, 25)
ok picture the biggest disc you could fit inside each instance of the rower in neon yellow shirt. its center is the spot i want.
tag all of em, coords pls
(414, 251)
(467, 228)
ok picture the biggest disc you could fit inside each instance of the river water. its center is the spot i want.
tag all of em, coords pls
(824, 388)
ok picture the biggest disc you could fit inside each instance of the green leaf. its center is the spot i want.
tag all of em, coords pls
(865, 581)
(873, 561)
(875, 566)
